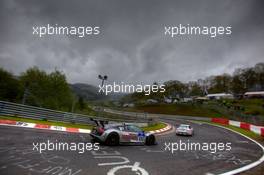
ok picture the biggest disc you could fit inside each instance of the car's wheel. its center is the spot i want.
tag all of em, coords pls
(94, 140)
(112, 139)
(150, 140)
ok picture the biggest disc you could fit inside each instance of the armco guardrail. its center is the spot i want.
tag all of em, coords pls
(159, 116)
(128, 114)
(32, 112)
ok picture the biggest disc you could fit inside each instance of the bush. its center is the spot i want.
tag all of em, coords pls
(9, 86)
(253, 112)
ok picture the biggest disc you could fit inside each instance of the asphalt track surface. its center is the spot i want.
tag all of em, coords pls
(18, 158)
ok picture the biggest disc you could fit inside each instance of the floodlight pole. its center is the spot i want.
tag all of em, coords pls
(103, 78)
(24, 96)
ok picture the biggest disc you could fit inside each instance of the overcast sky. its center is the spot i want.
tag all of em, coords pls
(132, 46)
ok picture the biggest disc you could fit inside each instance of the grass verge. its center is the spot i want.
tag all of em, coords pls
(177, 109)
(68, 125)
(250, 134)
(154, 127)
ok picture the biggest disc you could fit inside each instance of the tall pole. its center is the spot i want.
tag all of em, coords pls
(24, 96)
(26, 91)
(103, 78)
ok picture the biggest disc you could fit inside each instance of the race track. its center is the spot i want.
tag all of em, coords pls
(17, 157)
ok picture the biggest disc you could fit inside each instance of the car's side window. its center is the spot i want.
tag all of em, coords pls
(133, 129)
(126, 128)
(129, 128)
(121, 128)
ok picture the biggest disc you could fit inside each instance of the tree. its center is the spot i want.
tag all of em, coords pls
(175, 88)
(259, 70)
(237, 84)
(47, 90)
(59, 89)
(34, 83)
(9, 86)
(249, 77)
(81, 103)
(195, 89)
(220, 83)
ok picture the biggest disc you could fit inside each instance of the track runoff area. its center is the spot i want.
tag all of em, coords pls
(211, 150)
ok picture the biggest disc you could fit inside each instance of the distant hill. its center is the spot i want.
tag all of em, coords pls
(86, 91)
(90, 92)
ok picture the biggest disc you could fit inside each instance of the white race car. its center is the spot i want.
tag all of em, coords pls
(184, 130)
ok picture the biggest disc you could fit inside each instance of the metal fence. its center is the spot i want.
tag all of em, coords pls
(148, 116)
(32, 112)
(138, 115)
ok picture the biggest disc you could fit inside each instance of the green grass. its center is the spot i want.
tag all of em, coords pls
(69, 125)
(253, 106)
(246, 132)
(154, 127)
(179, 109)
(224, 109)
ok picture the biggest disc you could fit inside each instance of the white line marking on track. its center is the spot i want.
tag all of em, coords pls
(242, 141)
(138, 170)
(125, 160)
(247, 167)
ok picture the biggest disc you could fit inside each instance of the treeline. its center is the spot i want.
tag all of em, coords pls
(241, 81)
(38, 88)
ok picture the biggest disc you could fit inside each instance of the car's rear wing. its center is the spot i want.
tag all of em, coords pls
(99, 122)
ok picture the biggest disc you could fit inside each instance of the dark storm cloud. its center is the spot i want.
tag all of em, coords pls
(131, 46)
